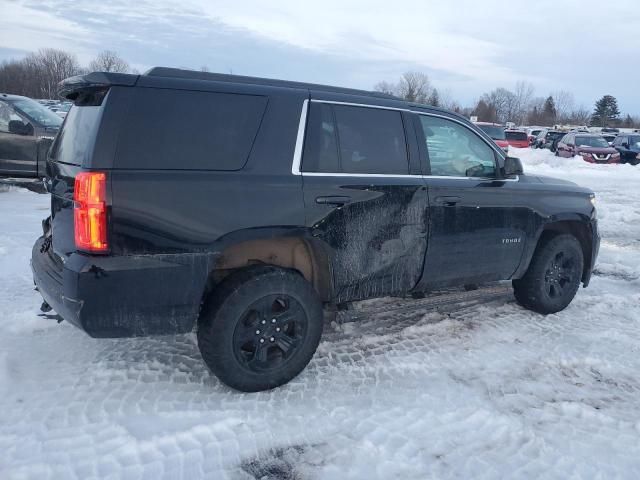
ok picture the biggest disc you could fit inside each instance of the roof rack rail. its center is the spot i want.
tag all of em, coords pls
(223, 77)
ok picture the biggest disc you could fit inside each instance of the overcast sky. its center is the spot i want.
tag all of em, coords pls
(467, 47)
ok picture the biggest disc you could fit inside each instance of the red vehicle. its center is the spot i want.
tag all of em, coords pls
(496, 132)
(592, 148)
(517, 139)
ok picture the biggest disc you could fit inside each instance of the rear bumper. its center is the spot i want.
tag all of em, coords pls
(123, 296)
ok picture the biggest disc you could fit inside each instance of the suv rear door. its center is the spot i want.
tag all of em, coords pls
(477, 229)
(364, 196)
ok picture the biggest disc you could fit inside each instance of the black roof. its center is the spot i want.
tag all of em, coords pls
(222, 77)
(69, 86)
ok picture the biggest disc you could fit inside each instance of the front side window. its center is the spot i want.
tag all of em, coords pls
(38, 113)
(455, 150)
(7, 115)
(358, 140)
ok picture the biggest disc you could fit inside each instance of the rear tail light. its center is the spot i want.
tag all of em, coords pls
(90, 212)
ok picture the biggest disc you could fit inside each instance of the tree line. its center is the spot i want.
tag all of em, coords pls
(37, 75)
(520, 105)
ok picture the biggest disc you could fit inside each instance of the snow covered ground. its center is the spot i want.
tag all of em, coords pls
(490, 391)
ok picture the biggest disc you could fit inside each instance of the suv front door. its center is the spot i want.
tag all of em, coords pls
(18, 146)
(478, 226)
(365, 197)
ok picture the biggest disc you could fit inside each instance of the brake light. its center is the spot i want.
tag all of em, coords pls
(90, 212)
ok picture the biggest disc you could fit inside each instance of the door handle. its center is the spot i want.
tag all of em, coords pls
(448, 201)
(333, 200)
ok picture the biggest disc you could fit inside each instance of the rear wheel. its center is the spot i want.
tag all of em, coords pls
(553, 277)
(260, 328)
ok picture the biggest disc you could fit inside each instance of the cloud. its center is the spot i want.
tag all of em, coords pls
(467, 47)
(27, 29)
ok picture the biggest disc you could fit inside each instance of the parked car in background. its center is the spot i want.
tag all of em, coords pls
(628, 145)
(496, 132)
(609, 137)
(298, 197)
(609, 130)
(517, 138)
(532, 133)
(27, 129)
(546, 139)
(592, 148)
(61, 109)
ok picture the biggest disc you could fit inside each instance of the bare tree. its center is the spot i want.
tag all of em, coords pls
(54, 66)
(523, 95)
(38, 74)
(502, 101)
(414, 87)
(564, 104)
(385, 87)
(109, 61)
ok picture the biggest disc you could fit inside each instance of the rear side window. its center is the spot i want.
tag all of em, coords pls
(74, 143)
(516, 135)
(359, 140)
(187, 130)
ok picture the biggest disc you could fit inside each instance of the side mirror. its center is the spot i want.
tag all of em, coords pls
(625, 145)
(20, 128)
(512, 167)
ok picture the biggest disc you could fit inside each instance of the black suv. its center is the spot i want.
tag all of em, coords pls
(629, 147)
(27, 130)
(242, 206)
(548, 139)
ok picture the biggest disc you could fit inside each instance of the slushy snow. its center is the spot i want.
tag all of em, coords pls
(489, 391)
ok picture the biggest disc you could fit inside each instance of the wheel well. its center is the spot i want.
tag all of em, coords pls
(580, 230)
(305, 256)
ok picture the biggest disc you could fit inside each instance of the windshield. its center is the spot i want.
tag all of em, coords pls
(36, 112)
(597, 142)
(495, 132)
(516, 136)
(554, 135)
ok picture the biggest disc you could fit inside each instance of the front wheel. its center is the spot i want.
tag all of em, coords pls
(260, 328)
(553, 277)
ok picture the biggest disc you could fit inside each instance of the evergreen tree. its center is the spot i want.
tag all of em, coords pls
(606, 111)
(549, 112)
(434, 99)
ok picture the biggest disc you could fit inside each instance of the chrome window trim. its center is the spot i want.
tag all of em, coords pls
(302, 125)
(351, 104)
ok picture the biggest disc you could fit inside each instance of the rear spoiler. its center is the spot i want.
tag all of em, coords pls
(71, 87)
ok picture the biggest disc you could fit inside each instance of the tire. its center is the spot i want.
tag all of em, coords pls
(553, 276)
(260, 328)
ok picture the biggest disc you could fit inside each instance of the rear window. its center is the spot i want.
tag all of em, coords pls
(187, 130)
(495, 132)
(74, 142)
(359, 140)
(516, 136)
